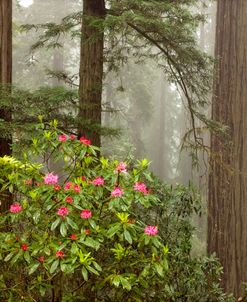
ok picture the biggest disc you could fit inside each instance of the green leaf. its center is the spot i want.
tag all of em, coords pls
(72, 223)
(165, 264)
(84, 273)
(113, 230)
(17, 256)
(36, 217)
(47, 251)
(42, 291)
(127, 236)
(92, 223)
(92, 243)
(11, 188)
(64, 267)
(116, 281)
(125, 283)
(55, 224)
(91, 269)
(63, 229)
(159, 269)
(54, 266)
(27, 256)
(147, 239)
(8, 257)
(74, 249)
(97, 266)
(33, 268)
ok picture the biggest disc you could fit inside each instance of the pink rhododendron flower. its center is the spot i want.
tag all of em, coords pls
(15, 208)
(24, 247)
(98, 181)
(57, 188)
(72, 137)
(69, 199)
(87, 232)
(68, 185)
(117, 192)
(60, 254)
(73, 237)
(151, 230)
(85, 141)
(121, 167)
(41, 259)
(76, 188)
(62, 138)
(141, 187)
(83, 178)
(62, 211)
(51, 179)
(28, 182)
(86, 214)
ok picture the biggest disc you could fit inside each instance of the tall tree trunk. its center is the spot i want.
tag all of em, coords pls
(5, 80)
(162, 156)
(91, 70)
(5, 62)
(227, 209)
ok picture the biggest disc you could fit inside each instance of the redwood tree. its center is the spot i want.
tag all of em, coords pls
(5, 80)
(5, 63)
(91, 69)
(227, 210)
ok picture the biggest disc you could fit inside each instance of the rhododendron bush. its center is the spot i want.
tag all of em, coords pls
(95, 230)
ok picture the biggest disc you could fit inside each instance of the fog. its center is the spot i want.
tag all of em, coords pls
(137, 99)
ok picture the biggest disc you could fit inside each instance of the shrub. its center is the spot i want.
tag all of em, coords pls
(96, 230)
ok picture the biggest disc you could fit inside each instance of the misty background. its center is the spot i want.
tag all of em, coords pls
(137, 99)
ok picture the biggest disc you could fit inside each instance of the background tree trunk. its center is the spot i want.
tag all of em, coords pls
(5, 79)
(227, 209)
(91, 70)
(5, 62)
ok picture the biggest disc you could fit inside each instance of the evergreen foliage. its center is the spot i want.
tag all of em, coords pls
(74, 237)
(162, 30)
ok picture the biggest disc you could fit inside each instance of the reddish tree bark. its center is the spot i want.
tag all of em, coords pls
(227, 209)
(5, 80)
(91, 70)
(5, 62)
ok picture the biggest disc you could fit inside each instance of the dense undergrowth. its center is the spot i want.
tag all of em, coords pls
(84, 228)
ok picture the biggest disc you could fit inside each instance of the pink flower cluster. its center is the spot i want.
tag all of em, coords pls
(98, 181)
(86, 214)
(28, 182)
(68, 186)
(64, 138)
(62, 211)
(59, 254)
(24, 247)
(151, 230)
(51, 179)
(76, 188)
(141, 187)
(117, 192)
(121, 167)
(69, 199)
(85, 141)
(15, 208)
(73, 237)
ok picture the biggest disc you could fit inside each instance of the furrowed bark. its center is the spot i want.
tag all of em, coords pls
(5, 81)
(227, 209)
(91, 70)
